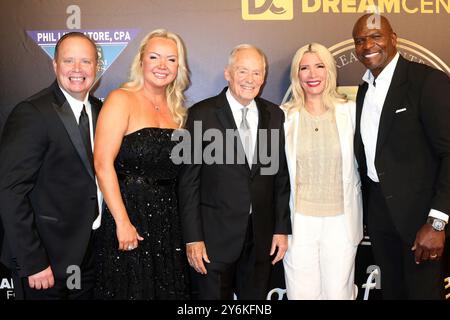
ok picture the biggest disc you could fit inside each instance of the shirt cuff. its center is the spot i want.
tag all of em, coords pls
(438, 214)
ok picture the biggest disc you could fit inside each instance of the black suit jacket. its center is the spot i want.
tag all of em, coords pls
(47, 188)
(215, 198)
(412, 156)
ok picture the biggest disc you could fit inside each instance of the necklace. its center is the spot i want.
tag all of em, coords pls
(315, 124)
(156, 107)
(316, 119)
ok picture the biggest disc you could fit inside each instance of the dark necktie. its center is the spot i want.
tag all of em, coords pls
(83, 125)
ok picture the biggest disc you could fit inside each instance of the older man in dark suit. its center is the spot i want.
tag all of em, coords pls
(235, 214)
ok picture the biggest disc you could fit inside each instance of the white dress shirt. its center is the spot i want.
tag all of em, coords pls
(370, 119)
(77, 107)
(252, 116)
(371, 112)
(252, 119)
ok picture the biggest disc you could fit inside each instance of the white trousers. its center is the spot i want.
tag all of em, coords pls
(320, 261)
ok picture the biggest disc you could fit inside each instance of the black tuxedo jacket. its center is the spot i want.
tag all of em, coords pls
(215, 199)
(412, 156)
(47, 187)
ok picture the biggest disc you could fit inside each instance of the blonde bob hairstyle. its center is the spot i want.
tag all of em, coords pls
(175, 90)
(329, 96)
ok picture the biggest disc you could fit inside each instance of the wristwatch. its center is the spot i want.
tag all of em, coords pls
(437, 224)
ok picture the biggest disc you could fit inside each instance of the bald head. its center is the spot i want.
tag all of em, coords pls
(375, 42)
(372, 21)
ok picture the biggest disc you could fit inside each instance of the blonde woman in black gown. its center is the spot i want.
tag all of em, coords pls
(139, 246)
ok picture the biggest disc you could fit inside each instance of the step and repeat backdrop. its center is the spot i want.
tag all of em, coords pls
(210, 29)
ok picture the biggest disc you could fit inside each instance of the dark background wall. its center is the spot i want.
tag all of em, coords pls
(210, 29)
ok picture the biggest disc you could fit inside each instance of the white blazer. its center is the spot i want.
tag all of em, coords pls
(345, 120)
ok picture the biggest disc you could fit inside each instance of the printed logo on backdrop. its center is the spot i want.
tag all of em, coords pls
(284, 9)
(447, 288)
(6, 288)
(382, 6)
(344, 54)
(110, 43)
(267, 9)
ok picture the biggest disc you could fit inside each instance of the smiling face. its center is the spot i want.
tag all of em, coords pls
(312, 74)
(75, 66)
(160, 62)
(375, 46)
(245, 75)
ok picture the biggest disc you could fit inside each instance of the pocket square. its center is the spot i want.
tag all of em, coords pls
(400, 110)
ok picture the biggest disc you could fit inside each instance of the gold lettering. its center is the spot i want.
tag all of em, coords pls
(408, 56)
(424, 3)
(381, 6)
(388, 5)
(309, 9)
(445, 4)
(408, 10)
(367, 6)
(330, 4)
(342, 61)
(353, 57)
(348, 6)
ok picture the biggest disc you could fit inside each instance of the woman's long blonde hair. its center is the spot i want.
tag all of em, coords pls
(330, 96)
(175, 90)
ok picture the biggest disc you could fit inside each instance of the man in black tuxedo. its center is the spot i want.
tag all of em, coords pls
(402, 144)
(235, 216)
(48, 193)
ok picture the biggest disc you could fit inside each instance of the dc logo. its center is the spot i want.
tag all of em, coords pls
(267, 9)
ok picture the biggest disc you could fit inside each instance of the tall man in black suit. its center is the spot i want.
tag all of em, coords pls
(48, 193)
(235, 215)
(402, 144)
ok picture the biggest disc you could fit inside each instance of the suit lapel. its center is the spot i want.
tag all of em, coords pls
(65, 113)
(263, 123)
(95, 108)
(223, 112)
(358, 144)
(226, 119)
(394, 98)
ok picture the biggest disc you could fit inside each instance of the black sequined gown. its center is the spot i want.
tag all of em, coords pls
(157, 269)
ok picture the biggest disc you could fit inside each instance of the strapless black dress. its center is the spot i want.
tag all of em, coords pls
(158, 268)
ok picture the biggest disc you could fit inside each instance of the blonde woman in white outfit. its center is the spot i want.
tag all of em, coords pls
(326, 205)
